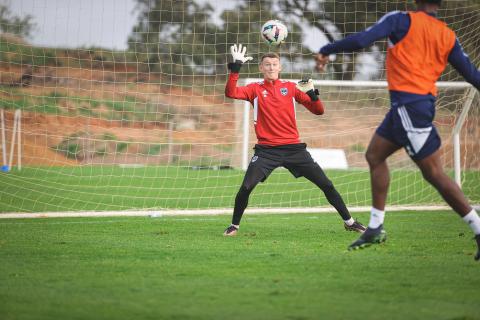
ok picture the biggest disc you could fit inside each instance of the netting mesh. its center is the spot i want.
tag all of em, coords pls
(149, 126)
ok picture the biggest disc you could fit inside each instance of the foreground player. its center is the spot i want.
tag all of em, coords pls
(278, 145)
(420, 46)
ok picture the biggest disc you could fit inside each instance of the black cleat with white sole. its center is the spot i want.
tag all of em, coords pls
(369, 237)
(357, 226)
(230, 231)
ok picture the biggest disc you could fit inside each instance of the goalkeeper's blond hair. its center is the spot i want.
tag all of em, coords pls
(270, 55)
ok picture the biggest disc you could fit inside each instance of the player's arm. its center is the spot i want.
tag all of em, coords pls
(392, 23)
(460, 61)
(307, 95)
(231, 88)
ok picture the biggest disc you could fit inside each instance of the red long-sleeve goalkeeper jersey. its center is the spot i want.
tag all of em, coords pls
(273, 104)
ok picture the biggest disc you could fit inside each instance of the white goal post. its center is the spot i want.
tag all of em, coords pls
(470, 94)
(16, 136)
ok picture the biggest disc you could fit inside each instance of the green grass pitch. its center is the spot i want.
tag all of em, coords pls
(112, 188)
(292, 266)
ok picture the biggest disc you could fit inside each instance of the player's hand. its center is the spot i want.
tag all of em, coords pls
(320, 62)
(305, 85)
(238, 53)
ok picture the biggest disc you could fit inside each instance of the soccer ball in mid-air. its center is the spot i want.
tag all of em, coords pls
(274, 32)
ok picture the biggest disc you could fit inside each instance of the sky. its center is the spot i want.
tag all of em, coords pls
(76, 23)
(101, 23)
(108, 23)
(84, 23)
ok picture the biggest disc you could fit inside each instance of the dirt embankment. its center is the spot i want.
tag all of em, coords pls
(127, 120)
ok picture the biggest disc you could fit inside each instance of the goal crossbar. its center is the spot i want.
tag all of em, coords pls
(369, 84)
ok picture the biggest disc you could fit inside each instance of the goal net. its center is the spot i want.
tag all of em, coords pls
(148, 127)
(340, 137)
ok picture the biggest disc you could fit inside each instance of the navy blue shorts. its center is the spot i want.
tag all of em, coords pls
(411, 126)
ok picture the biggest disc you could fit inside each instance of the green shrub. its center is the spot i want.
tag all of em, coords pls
(121, 146)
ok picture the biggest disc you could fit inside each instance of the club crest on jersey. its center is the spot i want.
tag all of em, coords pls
(284, 91)
(255, 158)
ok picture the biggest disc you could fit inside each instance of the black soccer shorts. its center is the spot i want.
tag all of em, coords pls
(293, 157)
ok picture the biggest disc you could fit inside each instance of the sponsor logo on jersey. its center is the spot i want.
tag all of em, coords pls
(264, 92)
(284, 91)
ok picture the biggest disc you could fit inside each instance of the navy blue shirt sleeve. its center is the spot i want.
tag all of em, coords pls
(460, 61)
(393, 25)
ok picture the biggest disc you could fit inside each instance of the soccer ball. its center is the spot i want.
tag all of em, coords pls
(274, 32)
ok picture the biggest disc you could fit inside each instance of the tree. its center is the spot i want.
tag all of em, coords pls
(464, 18)
(338, 19)
(348, 17)
(170, 34)
(9, 23)
(180, 38)
(239, 27)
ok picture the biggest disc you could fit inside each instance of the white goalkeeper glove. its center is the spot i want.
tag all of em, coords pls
(238, 53)
(306, 85)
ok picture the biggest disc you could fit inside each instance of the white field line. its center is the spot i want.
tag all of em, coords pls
(203, 212)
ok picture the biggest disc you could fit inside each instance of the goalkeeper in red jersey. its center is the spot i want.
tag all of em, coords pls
(274, 118)
(420, 46)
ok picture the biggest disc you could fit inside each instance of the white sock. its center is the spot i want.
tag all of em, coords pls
(376, 218)
(473, 220)
(236, 226)
(349, 222)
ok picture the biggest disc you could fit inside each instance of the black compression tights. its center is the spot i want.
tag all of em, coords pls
(252, 178)
(318, 177)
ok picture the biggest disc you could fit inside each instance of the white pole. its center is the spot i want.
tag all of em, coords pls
(246, 120)
(368, 84)
(12, 145)
(4, 143)
(19, 146)
(470, 95)
(456, 159)
(170, 142)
